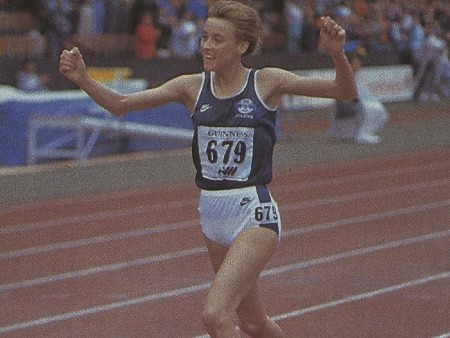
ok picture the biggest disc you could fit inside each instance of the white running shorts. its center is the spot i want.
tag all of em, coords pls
(224, 214)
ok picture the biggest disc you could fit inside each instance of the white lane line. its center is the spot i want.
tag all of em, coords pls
(364, 176)
(201, 287)
(200, 250)
(176, 226)
(360, 297)
(444, 335)
(356, 252)
(102, 269)
(366, 218)
(367, 194)
(95, 216)
(92, 198)
(145, 208)
(270, 272)
(97, 240)
(105, 307)
(364, 296)
(288, 207)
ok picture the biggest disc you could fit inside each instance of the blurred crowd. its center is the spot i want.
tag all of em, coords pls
(418, 31)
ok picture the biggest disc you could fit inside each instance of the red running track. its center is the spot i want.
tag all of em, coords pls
(365, 253)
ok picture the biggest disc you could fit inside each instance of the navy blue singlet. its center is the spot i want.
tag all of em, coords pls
(233, 138)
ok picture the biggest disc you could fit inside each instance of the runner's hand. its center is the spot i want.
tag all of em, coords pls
(332, 36)
(72, 66)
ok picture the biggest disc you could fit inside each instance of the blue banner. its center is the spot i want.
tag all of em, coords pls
(17, 107)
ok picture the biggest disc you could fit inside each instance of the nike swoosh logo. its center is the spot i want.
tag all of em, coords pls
(205, 107)
(245, 200)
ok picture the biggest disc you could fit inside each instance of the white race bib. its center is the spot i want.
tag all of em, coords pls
(226, 153)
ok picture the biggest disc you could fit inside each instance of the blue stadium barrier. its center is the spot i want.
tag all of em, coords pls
(16, 109)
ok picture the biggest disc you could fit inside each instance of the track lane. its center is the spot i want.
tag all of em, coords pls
(379, 233)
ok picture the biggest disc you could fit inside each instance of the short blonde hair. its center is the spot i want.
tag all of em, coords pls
(245, 18)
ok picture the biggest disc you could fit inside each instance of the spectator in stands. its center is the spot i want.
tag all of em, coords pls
(273, 36)
(197, 8)
(442, 74)
(59, 15)
(342, 10)
(294, 19)
(360, 8)
(355, 31)
(310, 36)
(361, 119)
(185, 39)
(416, 37)
(165, 22)
(140, 6)
(442, 16)
(146, 37)
(322, 7)
(399, 40)
(379, 40)
(91, 17)
(117, 16)
(39, 42)
(28, 78)
(427, 59)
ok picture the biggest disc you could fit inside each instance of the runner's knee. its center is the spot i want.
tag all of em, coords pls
(252, 327)
(215, 318)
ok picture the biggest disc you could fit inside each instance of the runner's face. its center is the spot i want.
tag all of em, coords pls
(219, 45)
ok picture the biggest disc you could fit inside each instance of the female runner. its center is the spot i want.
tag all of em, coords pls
(233, 109)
